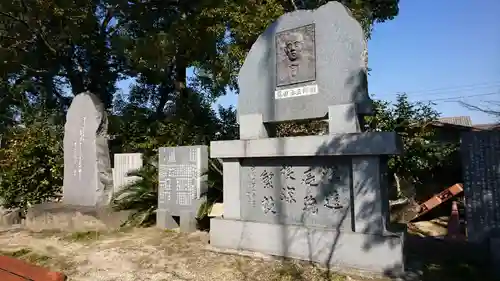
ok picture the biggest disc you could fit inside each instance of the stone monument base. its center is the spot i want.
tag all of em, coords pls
(62, 217)
(186, 221)
(376, 254)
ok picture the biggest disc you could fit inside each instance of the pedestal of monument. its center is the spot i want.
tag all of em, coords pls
(348, 228)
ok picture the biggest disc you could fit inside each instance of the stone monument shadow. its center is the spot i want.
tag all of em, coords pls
(365, 212)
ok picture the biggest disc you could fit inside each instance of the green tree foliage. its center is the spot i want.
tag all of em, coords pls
(53, 50)
(31, 164)
(424, 153)
(140, 196)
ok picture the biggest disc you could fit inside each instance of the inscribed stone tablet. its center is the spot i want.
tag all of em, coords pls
(299, 191)
(125, 163)
(87, 166)
(181, 184)
(303, 63)
(481, 173)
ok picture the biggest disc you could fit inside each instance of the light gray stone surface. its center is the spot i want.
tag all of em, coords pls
(297, 190)
(340, 74)
(87, 167)
(182, 184)
(375, 253)
(373, 143)
(123, 164)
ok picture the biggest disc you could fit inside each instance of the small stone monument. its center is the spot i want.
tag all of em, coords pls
(125, 163)
(317, 198)
(481, 175)
(182, 185)
(87, 166)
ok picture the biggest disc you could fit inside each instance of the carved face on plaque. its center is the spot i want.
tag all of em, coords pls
(295, 56)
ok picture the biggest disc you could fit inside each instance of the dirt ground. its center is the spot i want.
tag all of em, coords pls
(147, 254)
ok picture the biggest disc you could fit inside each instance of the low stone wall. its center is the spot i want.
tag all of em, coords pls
(58, 216)
(61, 217)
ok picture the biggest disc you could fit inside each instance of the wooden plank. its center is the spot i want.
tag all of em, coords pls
(438, 199)
(11, 268)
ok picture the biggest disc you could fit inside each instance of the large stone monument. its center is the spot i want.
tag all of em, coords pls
(481, 161)
(87, 166)
(88, 185)
(182, 185)
(317, 198)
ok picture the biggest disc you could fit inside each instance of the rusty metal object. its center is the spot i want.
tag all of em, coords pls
(438, 199)
(12, 269)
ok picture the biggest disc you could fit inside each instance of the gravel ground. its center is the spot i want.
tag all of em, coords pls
(147, 254)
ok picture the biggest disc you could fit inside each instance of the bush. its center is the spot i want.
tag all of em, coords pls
(140, 196)
(31, 165)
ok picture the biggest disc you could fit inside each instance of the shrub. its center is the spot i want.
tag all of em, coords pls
(31, 165)
(140, 196)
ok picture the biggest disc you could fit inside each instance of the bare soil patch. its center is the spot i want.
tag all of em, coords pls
(147, 254)
(152, 254)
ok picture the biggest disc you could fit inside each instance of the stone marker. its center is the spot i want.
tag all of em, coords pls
(481, 175)
(125, 163)
(317, 198)
(181, 185)
(87, 168)
(481, 161)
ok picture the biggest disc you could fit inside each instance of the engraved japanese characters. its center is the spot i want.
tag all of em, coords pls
(481, 175)
(181, 183)
(87, 165)
(310, 193)
(295, 56)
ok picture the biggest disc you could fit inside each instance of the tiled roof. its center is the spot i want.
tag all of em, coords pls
(491, 126)
(465, 121)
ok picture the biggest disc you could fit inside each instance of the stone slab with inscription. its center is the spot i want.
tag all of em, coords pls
(87, 165)
(123, 164)
(182, 184)
(481, 175)
(298, 190)
(303, 63)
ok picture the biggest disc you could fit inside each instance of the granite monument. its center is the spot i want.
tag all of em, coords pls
(123, 164)
(481, 177)
(182, 185)
(87, 165)
(317, 198)
(481, 174)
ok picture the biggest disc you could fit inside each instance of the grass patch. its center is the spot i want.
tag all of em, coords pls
(29, 256)
(289, 270)
(285, 270)
(53, 263)
(83, 236)
(454, 271)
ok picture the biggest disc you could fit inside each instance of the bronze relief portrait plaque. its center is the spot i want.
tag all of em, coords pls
(295, 56)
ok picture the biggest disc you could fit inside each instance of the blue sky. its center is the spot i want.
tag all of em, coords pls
(437, 49)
